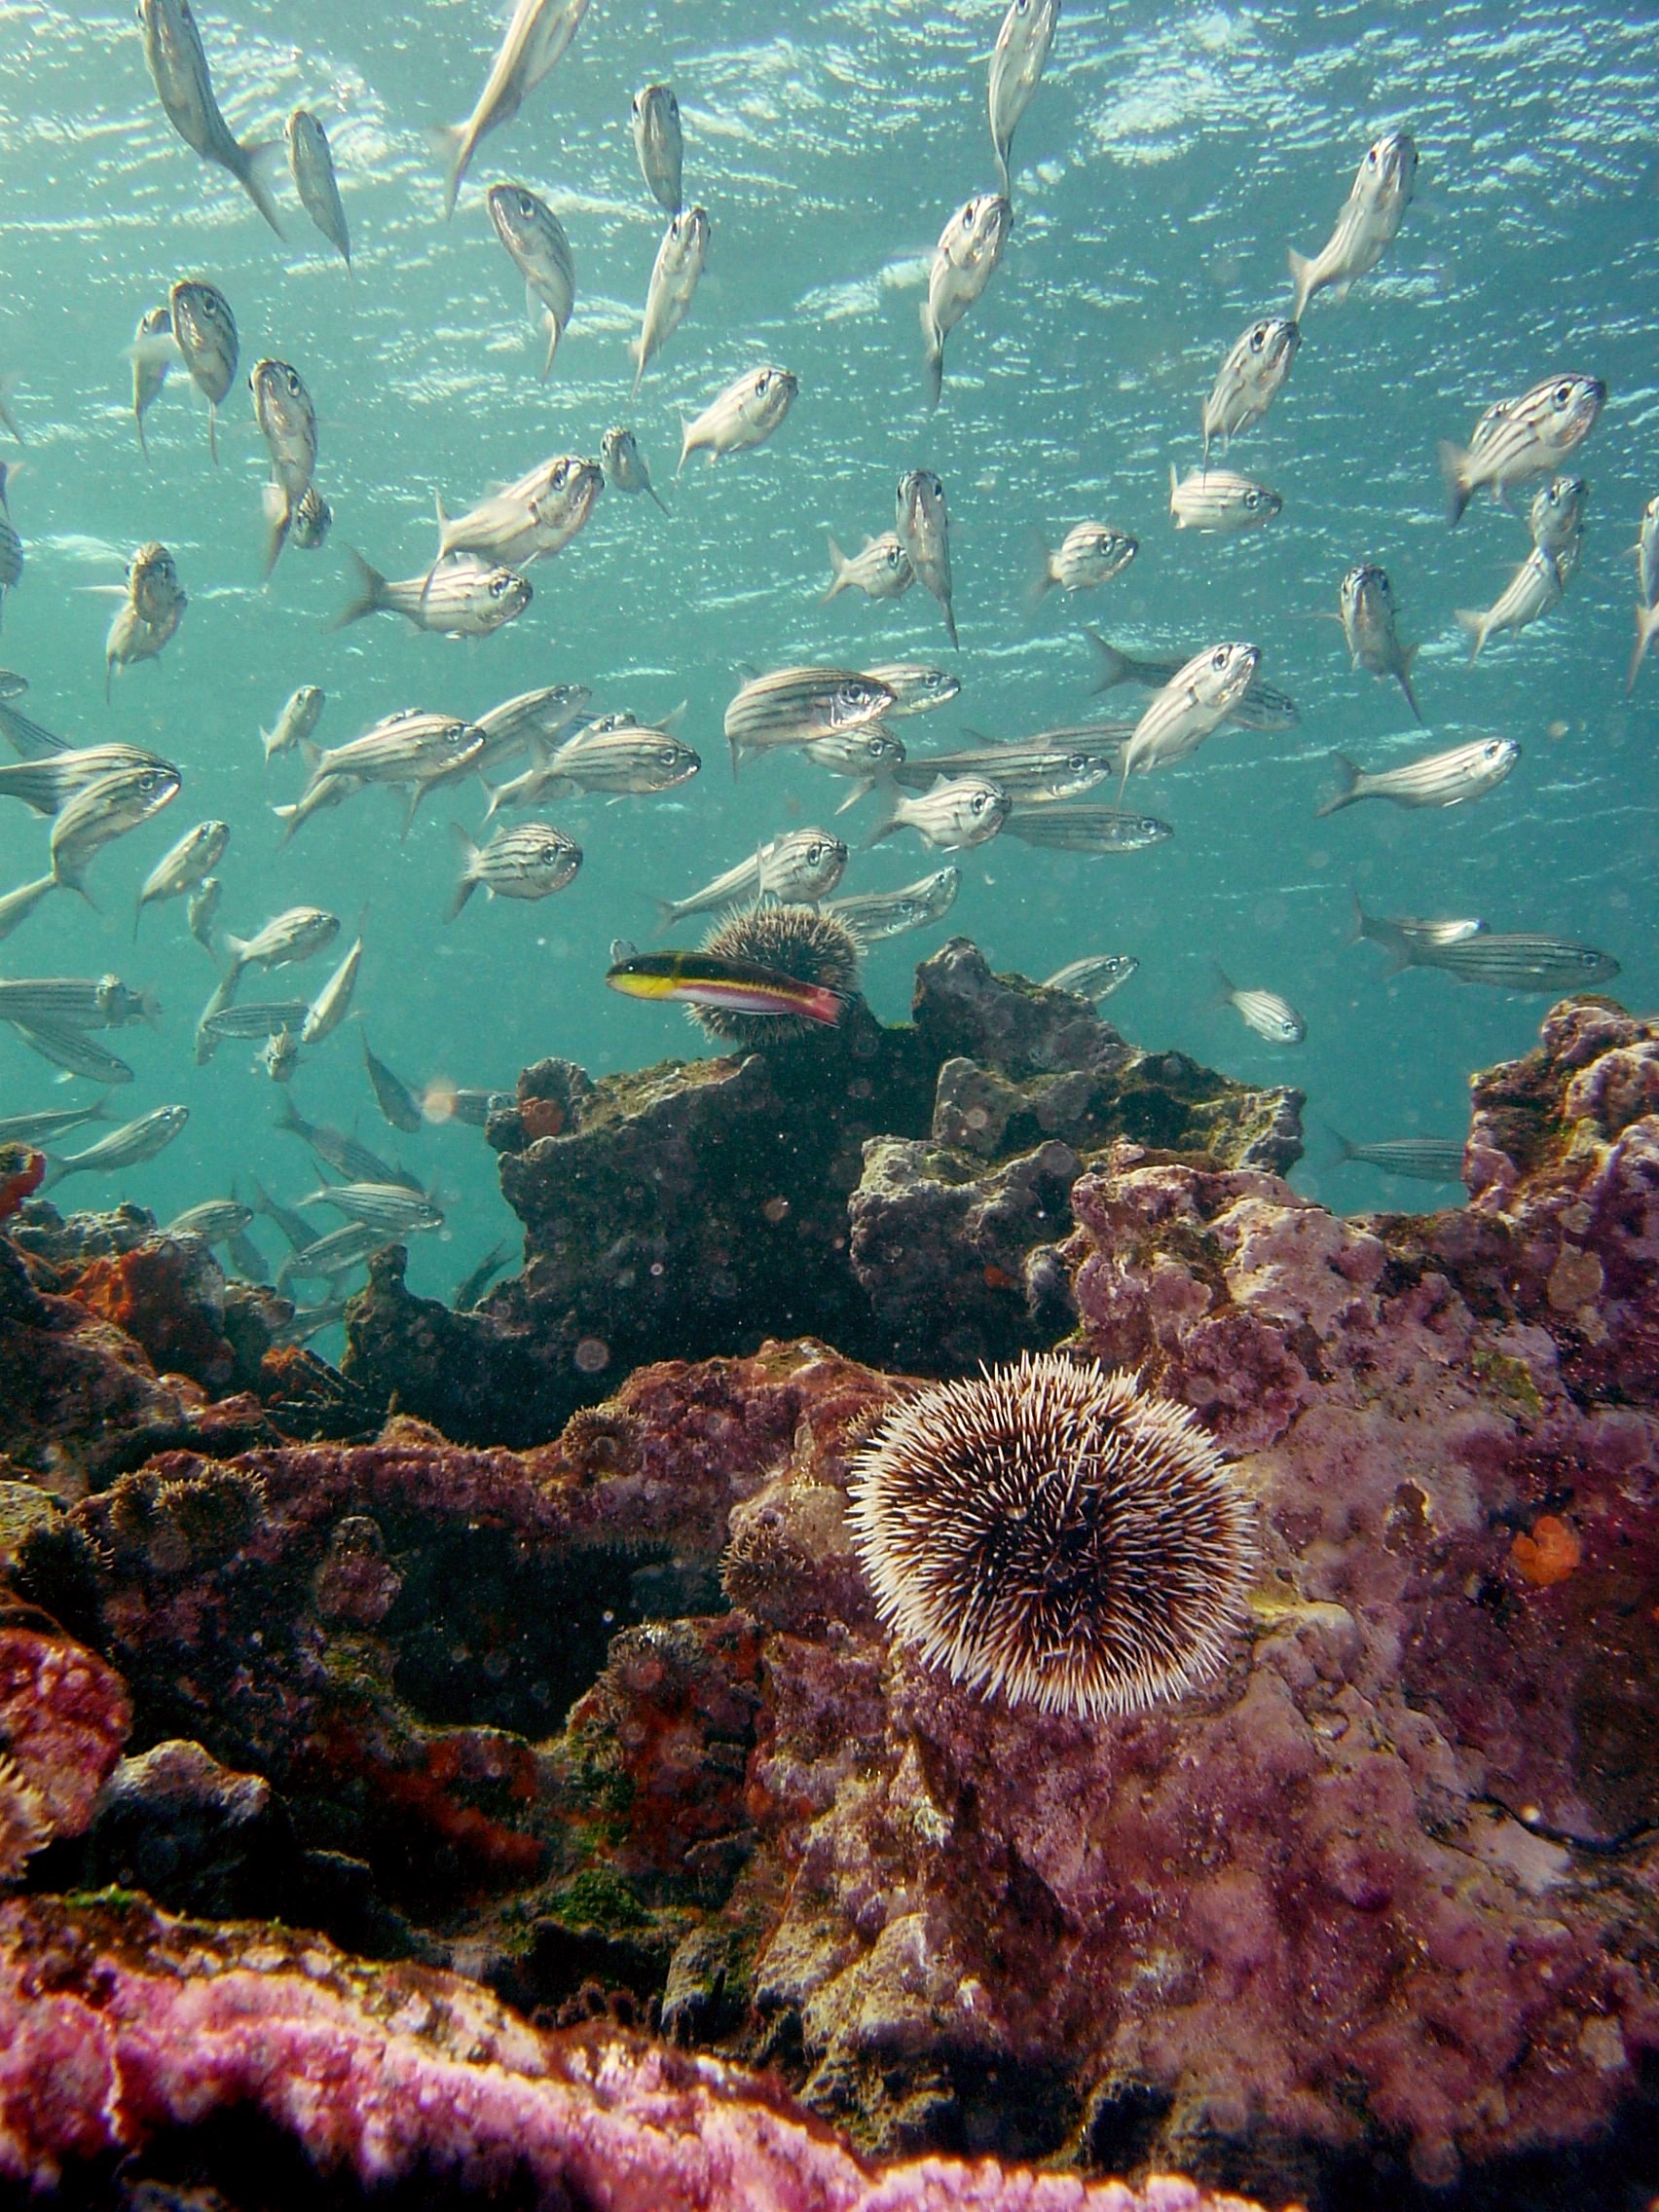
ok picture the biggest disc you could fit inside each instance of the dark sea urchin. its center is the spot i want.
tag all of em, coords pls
(799, 941)
(1047, 1533)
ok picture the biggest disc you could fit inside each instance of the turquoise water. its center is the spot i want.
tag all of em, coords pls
(1169, 159)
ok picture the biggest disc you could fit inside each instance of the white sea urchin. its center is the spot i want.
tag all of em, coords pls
(1049, 1533)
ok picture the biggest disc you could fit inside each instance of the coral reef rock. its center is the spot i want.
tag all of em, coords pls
(836, 1185)
(610, 1726)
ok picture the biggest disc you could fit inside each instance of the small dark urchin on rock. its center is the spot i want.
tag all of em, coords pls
(798, 942)
(1046, 1533)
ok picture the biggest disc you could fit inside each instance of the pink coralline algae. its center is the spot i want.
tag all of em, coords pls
(63, 1719)
(123, 2023)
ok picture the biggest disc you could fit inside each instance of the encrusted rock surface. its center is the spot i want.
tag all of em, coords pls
(610, 1725)
(818, 1187)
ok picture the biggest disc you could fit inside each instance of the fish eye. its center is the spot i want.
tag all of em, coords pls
(527, 205)
(1219, 658)
(293, 385)
(1562, 394)
(673, 106)
(1258, 337)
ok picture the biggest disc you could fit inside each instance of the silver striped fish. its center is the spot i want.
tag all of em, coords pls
(1535, 587)
(964, 260)
(1264, 1011)
(297, 933)
(653, 116)
(923, 528)
(331, 1005)
(536, 38)
(1518, 438)
(76, 1002)
(1073, 829)
(255, 1019)
(1555, 517)
(1016, 68)
(874, 915)
(1514, 960)
(1647, 551)
(957, 812)
(1219, 501)
(1366, 602)
(1097, 975)
(10, 545)
(49, 781)
(881, 571)
(407, 746)
(540, 253)
(743, 415)
(16, 906)
(1261, 708)
(1027, 769)
(510, 728)
(1368, 224)
(674, 277)
(214, 1220)
(916, 688)
(310, 163)
(379, 1206)
(172, 48)
(73, 1050)
(335, 1254)
(795, 870)
(1090, 554)
(287, 418)
(181, 869)
(1196, 700)
(618, 753)
(792, 706)
(1439, 779)
(530, 861)
(124, 1147)
(152, 357)
(1426, 1160)
(103, 811)
(1251, 376)
(466, 598)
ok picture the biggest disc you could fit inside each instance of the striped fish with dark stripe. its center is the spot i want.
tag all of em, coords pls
(1219, 500)
(1025, 770)
(47, 784)
(405, 747)
(1438, 779)
(1261, 708)
(792, 706)
(1518, 438)
(1428, 1159)
(509, 728)
(73, 1050)
(1534, 588)
(465, 597)
(1510, 960)
(1070, 829)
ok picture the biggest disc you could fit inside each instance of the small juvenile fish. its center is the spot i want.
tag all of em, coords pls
(792, 706)
(1196, 700)
(178, 871)
(963, 262)
(958, 812)
(287, 415)
(1265, 1011)
(77, 1002)
(882, 570)
(379, 1206)
(916, 688)
(624, 464)
(743, 415)
(1368, 224)
(1094, 976)
(795, 870)
(1216, 499)
(534, 39)
(540, 253)
(923, 527)
(151, 611)
(1647, 551)
(740, 986)
(296, 723)
(312, 161)
(1518, 438)
(1090, 554)
(10, 545)
(329, 1009)
(873, 915)
(1534, 588)
(73, 1050)
(1084, 828)
(675, 275)
(172, 48)
(102, 812)
(205, 332)
(1261, 708)
(299, 933)
(150, 365)
(1367, 601)
(531, 861)
(1426, 1160)
(256, 1019)
(1555, 517)
(1016, 68)
(392, 1096)
(202, 911)
(214, 1221)
(1250, 379)
(466, 598)
(313, 519)
(1439, 779)
(126, 1146)
(654, 118)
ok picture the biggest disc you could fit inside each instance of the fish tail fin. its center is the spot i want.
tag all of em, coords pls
(1646, 630)
(637, 348)
(686, 447)
(552, 344)
(667, 914)
(1302, 276)
(1473, 625)
(259, 156)
(1404, 672)
(1002, 148)
(56, 1171)
(1222, 983)
(366, 599)
(279, 516)
(657, 496)
(838, 564)
(736, 745)
(1345, 1150)
(1042, 579)
(137, 917)
(1455, 468)
(892, 816)
(933, 357)
(448, 141)
(1113, 664)
(1348, 785)
(143, 441)
(1174, 488)
(214, 432)
(950, 626)
(468, 882)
